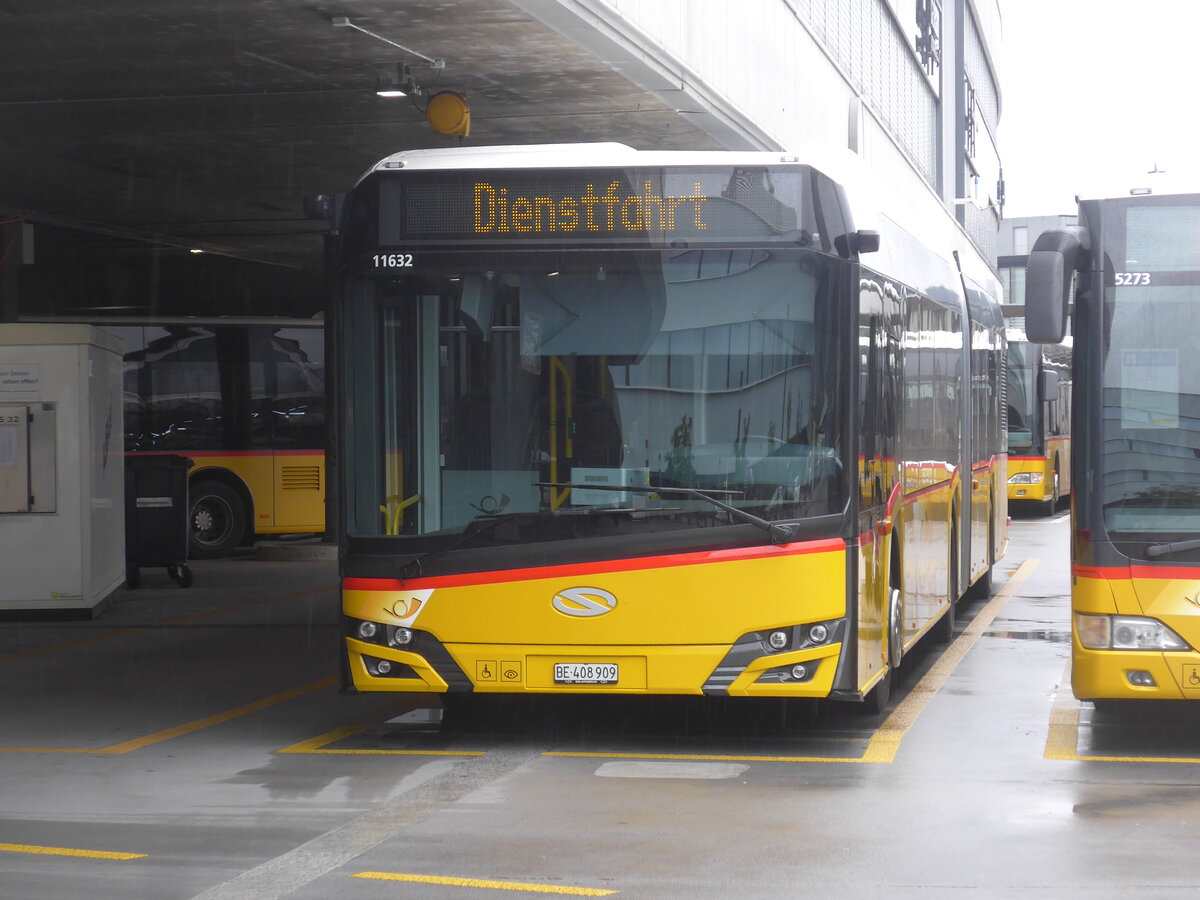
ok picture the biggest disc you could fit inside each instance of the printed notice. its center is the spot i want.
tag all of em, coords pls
(20, 382)
(1150, 388)
(9, 444)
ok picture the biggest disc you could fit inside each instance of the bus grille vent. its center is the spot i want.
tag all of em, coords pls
(301, 478)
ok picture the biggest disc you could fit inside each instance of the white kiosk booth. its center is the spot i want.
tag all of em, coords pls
(62, 508)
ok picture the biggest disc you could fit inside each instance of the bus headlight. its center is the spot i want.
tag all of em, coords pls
(1126, 633)
(367, 630)
(1026, 478)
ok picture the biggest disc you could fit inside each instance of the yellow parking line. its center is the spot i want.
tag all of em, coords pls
(885, 743)
(318, 745)
(179, 730)
(238, 607)
(703, 757)
(1062, 735)
(68, 851)
(126, 632)
(484, 883)
(69, 645)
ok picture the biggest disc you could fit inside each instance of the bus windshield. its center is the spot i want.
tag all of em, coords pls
(1023, 408)
(563, 377)
(1151, 377)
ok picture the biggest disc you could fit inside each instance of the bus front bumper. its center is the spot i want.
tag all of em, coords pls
(1134, 675)
(506, 669)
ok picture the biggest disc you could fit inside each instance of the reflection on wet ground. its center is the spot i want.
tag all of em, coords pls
(1053, 637)
(627, 725)
(1161, 729)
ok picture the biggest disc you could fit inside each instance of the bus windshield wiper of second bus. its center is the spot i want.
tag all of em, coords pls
(779, 532)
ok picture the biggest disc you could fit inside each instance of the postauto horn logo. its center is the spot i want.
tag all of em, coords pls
(584, 601)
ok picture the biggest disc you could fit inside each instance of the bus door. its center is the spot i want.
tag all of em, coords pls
(294, 393)
(876, 465)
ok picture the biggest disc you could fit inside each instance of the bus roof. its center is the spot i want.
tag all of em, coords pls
(1157, 184)
(562, 156)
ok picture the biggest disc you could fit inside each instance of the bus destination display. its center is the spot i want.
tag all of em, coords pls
(646, 206)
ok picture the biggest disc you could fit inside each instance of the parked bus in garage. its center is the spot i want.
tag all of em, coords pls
(657, 423)
(1134, 262)
(1039, 421)
(245, 400)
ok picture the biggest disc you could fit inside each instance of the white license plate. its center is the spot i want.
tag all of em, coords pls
(585, 673)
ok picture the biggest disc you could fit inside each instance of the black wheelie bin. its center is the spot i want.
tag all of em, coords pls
(156, 516)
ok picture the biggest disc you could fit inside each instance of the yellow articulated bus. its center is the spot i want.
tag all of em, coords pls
(1039, 421)
(1134, 264)
(245, 401)
(657, 423)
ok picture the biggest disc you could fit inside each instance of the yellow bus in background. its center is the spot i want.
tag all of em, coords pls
(245, 400)
(1038, 396)
(1133, 262)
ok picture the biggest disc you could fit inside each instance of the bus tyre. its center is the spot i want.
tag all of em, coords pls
(1052, 500)
(877, 700)
(944, 629)
(217, 518)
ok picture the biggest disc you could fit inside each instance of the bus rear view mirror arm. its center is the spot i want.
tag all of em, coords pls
(1055, 257)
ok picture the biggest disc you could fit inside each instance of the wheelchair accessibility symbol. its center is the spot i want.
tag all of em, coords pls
(1191, 677)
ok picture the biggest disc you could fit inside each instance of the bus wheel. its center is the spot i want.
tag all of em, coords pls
(944, 629)
(218, 520)
(1052, 502)
(876, 701)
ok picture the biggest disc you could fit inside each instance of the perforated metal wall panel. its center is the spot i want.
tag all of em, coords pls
(865, 41)
(975, 63)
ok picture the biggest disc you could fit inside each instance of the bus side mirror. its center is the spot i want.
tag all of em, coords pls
(1047, 384)
(1055, 258)
(861, 241)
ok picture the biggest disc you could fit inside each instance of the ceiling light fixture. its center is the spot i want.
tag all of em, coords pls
(396, 81)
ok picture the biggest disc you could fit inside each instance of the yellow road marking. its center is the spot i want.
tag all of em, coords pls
(1062, 735)
(168, 733)
(69, 645)
(68, 851)
(125, 632)
(484, 883)
(701, 757)
(318, 745)
(885, 742)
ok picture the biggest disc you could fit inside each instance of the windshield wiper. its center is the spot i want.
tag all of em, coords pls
(1157, 550)
(489, 521)
(477, 526)
(779, 532)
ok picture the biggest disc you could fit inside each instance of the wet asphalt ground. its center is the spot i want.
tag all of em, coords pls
(193, 743)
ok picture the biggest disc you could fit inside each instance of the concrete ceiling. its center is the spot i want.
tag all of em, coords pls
(206, 122)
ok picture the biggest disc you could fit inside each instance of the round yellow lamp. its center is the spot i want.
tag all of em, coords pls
(448, 113)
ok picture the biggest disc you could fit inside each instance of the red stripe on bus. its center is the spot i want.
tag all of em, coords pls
(209, 454)
(1124, 573)
(596, 568)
